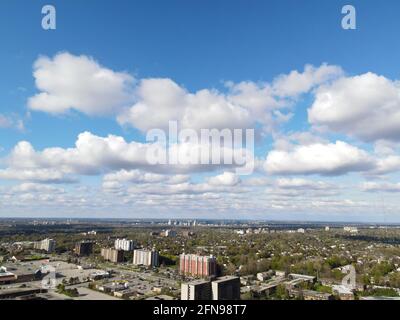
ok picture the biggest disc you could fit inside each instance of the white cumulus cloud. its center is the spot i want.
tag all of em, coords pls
(365, 106)
(224, 179)
(325, 159)
(68, 82)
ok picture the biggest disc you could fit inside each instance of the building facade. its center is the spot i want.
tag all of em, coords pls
(223, 288)
(196, 290)
(112, 255)
(48, 245)
(148, 258)
(226, 288)
(124, 244)
(84, 248)
(197, 266)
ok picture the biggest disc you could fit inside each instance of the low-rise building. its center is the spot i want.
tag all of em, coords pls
(20, 293)
(264, 276)
(315, 295)
(303, 277)
(6, 277)
(112, 287)
(99, 275)
(268, 288)
(20, 273)
(125, 294)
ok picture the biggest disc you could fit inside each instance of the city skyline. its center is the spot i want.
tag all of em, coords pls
(323, 101)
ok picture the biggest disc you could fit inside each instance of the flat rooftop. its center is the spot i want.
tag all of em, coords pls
(226, 278)
(197, 282)
(22, 268)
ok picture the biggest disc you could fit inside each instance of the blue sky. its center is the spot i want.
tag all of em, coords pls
(201, 45)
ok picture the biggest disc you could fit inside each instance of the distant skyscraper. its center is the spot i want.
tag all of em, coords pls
(146, 258)
(197, 266)
(124, 244)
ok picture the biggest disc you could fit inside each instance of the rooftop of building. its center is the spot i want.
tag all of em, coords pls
(22, 268)
(4, 271)
(198, 282)
(225, 278)
(6, 275)
(301, 276)
(198, 255)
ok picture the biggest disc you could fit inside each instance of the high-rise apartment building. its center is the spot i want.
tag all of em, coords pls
(112, 255)
(146, 258)
(196, 290)
(84, 248)
(226, 288)
(124, 244)
(223, 288)
(48, 245)
(197, 266)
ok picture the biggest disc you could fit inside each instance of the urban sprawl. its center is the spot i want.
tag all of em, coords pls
(62, 259)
